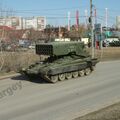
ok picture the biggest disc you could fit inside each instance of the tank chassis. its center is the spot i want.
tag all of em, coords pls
(66, 60)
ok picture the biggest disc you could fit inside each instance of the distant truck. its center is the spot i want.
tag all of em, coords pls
(63, 39)
(66, 60)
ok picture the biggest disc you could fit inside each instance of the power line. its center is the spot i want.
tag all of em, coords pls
(76, 7)
(52, 9)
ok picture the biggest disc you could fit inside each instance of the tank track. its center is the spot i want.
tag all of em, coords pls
(70, 75)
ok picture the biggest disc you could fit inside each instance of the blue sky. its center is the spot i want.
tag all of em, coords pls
(56, 10)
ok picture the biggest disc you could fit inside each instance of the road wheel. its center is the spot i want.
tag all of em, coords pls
(54, 78)
(68, 75)
(92, 68)
(75, 74)
(81, 73)
(87, 71)
(61, 77)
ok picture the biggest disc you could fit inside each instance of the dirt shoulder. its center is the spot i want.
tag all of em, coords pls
(108, 53)
(109, 113)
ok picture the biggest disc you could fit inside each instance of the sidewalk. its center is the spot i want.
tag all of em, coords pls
(8, 75)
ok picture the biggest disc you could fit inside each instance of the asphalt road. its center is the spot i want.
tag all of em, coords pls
(24, 100)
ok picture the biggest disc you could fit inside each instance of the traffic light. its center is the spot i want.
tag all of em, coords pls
(89, 20)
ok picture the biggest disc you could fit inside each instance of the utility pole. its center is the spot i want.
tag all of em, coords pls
(106, 20)
(91, 26)
(69, 21)
(86, 18)
(77, 20)
(95, 14)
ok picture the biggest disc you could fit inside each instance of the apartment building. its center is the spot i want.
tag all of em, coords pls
(37, 23)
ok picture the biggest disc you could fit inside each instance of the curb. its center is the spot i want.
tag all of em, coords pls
(8, 76)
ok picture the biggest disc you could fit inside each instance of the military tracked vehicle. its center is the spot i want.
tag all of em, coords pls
(66, 60)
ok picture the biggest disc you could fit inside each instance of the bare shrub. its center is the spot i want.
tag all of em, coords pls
(14, 61)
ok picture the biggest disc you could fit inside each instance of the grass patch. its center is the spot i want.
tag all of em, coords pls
(15, 61)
